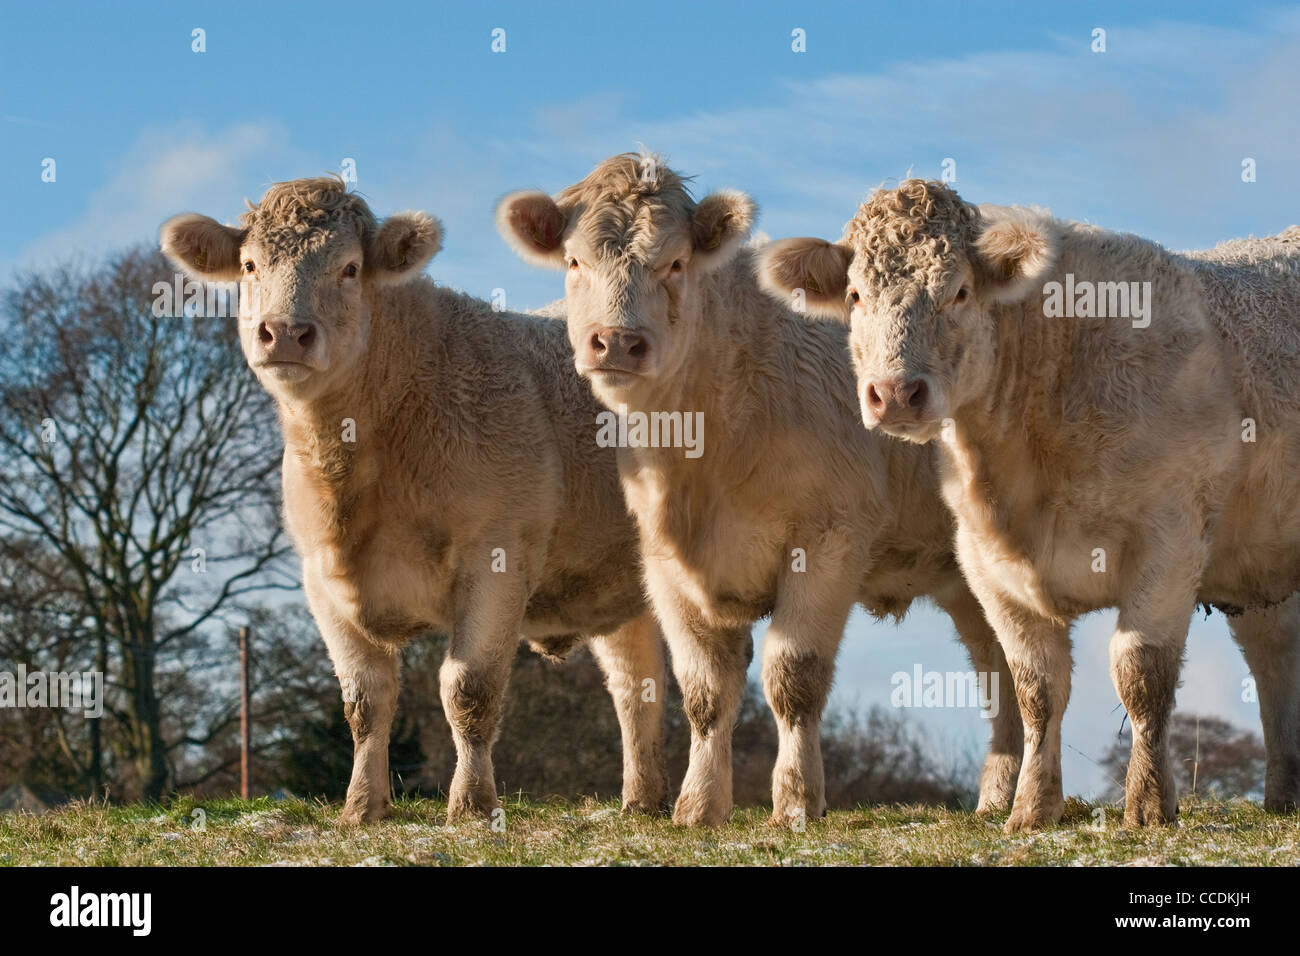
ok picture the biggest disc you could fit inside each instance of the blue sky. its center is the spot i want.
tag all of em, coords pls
(1147, 137)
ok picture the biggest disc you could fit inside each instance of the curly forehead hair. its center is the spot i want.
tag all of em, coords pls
(918, 229)
(628, 203)
(294, 215)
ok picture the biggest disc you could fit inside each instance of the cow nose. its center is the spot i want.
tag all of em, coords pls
(617, 349)
(286, 341)
(897, 399)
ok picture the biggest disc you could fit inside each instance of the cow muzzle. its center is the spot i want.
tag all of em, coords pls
(282, 342)
(895, 402)
(617, 350)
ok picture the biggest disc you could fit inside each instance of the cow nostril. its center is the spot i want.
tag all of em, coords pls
(264, 334)
(597, 344)
(307, 336)
(638, 348)
(873, 397)
(919, 393)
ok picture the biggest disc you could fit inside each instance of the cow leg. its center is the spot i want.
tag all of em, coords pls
(1146, 654)
(1002, 763)
(633, 661)
(1037, 652)
(1270, 642)
(798, 668)
(472, 681)
(368, 677)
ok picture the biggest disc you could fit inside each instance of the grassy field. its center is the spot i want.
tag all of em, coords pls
(262, 832)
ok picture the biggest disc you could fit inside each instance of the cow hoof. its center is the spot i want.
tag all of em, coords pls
(466, 807)
(692, 811)
(647, 806)
(1281, 804)
(1149, 812)
(998, 784)
(355, 814)
(993, 806)
(1026, 819)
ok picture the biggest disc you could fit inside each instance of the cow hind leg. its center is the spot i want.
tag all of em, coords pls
(633, 661)
(1002, 763)
(1270, 642)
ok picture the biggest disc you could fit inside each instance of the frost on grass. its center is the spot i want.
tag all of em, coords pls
(301, 833)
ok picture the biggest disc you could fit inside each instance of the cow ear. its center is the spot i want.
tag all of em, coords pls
(201, 247)
(1017, 250)
(719, 224)
(808, 275)
(402, 247)
(533, 225)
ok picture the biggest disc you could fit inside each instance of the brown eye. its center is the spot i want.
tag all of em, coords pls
(573, 263)
(853, 294)
(677, 265)
(962, 294)
(351, 271)
(249, 267)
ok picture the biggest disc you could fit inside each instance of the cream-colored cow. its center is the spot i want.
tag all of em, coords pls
(439, 473)
(784, 506)
(1120, 427)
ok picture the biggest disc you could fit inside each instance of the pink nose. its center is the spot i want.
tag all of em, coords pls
(614, 349)
(283, 341)
(896, 400)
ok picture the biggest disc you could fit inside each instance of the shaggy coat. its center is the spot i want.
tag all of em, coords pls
(1119, 427)
(439, 474)
(791, 510)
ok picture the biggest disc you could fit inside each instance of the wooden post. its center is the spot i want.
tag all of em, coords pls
(245, 731)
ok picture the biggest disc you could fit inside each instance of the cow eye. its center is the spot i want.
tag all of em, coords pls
(677, 265)
(962, 295)
(350, 271)
(249, 267)
(853, 294)
(573, 263)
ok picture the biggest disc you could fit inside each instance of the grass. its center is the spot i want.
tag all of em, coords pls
(263, 832)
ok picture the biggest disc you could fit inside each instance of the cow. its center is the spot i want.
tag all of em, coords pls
(439, 475)
(1118, 427)
(782, 506)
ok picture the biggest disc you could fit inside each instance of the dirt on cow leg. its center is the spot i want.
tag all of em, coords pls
(711, 673)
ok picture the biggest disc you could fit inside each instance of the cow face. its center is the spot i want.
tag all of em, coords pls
(308, 259)
(635, 249)
(920, 276)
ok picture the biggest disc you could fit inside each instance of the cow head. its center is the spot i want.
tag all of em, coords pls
(919, 275)
(308, 258)
(635, 249)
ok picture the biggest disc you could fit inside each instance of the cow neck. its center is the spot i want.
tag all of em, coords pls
(1013, 421)
(329, 434)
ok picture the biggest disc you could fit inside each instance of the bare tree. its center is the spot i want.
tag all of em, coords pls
(137, 450)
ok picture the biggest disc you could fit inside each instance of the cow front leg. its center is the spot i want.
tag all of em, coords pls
(798, 667)
(1038, 655)
(633, 661)
(473, 680)
(368, 677)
